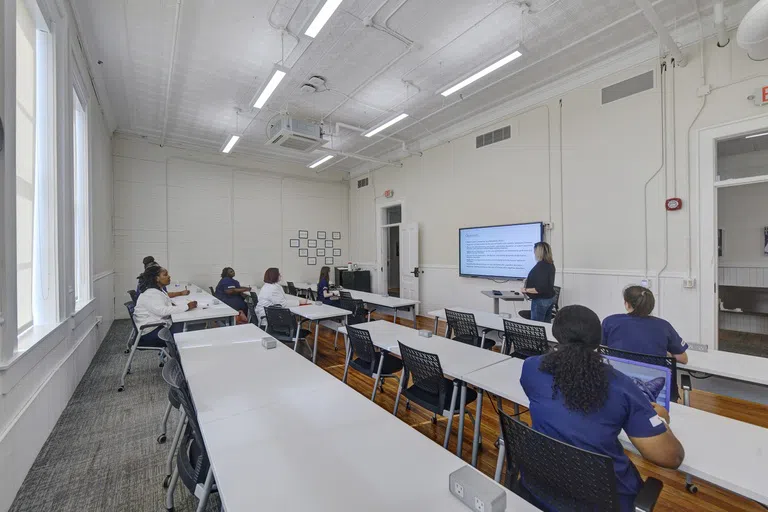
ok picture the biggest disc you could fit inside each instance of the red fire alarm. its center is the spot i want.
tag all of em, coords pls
(389, 193)
(674, 203)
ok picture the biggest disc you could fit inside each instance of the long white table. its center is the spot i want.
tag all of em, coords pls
(728, 453)
(207, 308)
(316, 313)
(456, 360)
(394, 303)
(282, 434)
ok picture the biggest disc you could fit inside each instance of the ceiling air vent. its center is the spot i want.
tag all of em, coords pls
(362, 183)
(493, 137)
(634, 85)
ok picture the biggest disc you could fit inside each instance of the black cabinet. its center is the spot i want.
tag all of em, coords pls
(359, 280)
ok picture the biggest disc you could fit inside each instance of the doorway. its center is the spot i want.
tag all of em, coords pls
(393, 216)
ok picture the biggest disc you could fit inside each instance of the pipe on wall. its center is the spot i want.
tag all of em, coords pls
(666, 38)
(720, 30)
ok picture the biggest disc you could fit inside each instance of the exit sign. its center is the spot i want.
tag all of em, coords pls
(761, 96)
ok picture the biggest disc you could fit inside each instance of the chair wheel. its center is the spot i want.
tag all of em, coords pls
(128, 372)
(433, 420)
(496, 443)
(162, 364)
(166, 483)
(120, 389)
(691, 488)
(127, 351)
(161, 438)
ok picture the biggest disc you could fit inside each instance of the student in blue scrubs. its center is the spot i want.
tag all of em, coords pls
(578, 399)
(324, 287)
(638, 331)
(230, 293)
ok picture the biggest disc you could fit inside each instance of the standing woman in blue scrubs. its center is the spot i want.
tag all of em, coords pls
(540, 284)
(638, 331)
(578, 399)
(229, 292)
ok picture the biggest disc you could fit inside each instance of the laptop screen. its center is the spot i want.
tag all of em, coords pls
(653, 381)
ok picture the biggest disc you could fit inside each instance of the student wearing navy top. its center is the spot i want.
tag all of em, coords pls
(638, 331)
(540, 284)
(230, 293)
(324, 287)
(578, 399)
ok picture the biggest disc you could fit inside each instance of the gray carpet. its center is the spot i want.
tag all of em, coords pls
(103, 454)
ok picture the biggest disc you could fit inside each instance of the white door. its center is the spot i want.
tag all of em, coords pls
(409, 261)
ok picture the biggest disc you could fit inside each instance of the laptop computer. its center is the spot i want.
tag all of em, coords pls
(654, 381)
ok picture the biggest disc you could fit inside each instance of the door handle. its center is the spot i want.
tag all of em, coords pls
(415, 271)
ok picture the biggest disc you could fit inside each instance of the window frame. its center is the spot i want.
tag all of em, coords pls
(82, 262)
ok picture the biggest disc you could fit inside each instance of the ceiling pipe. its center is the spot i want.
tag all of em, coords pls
(176, 24)
(720, 29)
(360, 157)
(753, 32)
(661, 30)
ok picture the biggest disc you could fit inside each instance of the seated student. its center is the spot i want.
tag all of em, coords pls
(149, 261)
(578, 399)
(324, 292)
(154, 305)
(229, 292)
(638, 331)
(272, 294)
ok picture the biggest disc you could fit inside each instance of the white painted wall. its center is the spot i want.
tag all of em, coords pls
(197, 213)
(596, 198)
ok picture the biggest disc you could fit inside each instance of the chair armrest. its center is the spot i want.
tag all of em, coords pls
(648, 496)
(155, 324)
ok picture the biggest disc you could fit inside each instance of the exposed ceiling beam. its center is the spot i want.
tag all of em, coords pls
(666, 38)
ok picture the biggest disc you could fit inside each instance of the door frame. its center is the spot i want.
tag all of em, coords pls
(382, 281)
(706, 151)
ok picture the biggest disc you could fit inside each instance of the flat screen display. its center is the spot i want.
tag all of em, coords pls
(501, 252)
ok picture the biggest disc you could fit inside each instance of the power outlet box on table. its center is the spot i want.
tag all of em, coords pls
(476, 491)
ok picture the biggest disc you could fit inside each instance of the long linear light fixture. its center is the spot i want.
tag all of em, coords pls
(320, 162)
(483, 72)
(322, 17)
(278, 73)
(384, 126)
(230, 143)
(756, 135)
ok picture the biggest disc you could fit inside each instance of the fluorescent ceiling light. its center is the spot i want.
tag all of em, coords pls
(756, 135)
(385, 125)
(230, 143)
(277, 76)
(320, 162)
(480, 74)
(322, 17)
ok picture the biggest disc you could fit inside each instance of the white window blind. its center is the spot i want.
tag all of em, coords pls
(82, 217)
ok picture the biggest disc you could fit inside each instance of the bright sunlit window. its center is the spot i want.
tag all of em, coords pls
(82, 224)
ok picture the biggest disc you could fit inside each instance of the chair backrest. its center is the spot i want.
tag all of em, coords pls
(524, 340)
(663, 361)
(362, 345)
(131, 307)
(312, 294)
(132, 294)
(252, 316)
(425, 370)
(556, 301)
(345, 294)
(213, 292)
(560, 475)
(279, 320)
(292, 289)
(460, 324)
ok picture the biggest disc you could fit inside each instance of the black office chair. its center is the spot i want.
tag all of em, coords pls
(172, 378)
(282, 325)
(462, 328)
(132, 294)
(253, 318)
(173, 403)
(524, 340)
(357, 307)
(345, 294)
(129, 342)
(363, 356)
(663, 361)
(312, 295)
(139, 343)
(213, 292)
(192, 463)
(429, 389)
(526, 313)
(292, 289)
(562, 476)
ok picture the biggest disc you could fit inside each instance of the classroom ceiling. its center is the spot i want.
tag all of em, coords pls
(221, 52)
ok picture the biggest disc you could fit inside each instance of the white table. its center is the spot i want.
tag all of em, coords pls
(728, 453)
(456, 359)
(278, 433)
(206, 309)
(225, 336)
(507, 296)
(315, 313)
(394, 303)
(741, 367)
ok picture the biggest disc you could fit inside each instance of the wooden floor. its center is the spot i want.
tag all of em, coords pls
(674, 497)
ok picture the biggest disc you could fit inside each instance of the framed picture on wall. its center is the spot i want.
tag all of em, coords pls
(320, 252)
(337, 252)
(303, 253)
(329, 244)
(336, 235)
(329, 261)
(311, 261)
(295, 242)
(311, 243)
(303, 234)
(321, 235)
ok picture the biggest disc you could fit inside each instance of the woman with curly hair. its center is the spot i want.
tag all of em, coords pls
(578, 399)
(155, 306)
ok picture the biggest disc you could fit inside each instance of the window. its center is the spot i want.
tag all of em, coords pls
(35, 170)
(82, 223)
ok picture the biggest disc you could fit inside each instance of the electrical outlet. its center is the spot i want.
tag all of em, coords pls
(458, 489)
(689, 282)
(479, 505)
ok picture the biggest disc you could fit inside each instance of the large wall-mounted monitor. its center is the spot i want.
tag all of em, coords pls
(499, 252)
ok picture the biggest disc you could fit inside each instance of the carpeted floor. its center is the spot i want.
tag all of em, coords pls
(103, 453)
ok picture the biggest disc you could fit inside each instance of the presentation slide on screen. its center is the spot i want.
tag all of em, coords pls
(498, 251)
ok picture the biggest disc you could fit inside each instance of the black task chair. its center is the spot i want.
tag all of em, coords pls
(252, 303)
(562, 476)
(213, 292)
(357, 307)
(140, 344)
(524, 340)
(526, 313)
(129, 342)
(663, 361)
(462, 328)
(282, 325)
(430, 389)
(175, 380)
(292, 289)
(132, 294)
(363, 357)
(345, 294)
(312, 295)
(193, 466)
